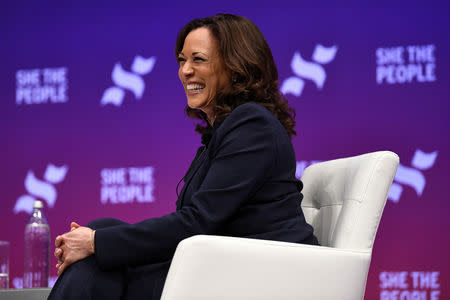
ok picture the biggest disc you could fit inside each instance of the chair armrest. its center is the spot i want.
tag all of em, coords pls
(216, 267)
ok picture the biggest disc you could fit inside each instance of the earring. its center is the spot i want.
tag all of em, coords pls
(234, 77)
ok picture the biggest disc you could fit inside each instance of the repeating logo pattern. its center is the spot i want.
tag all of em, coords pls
(42, 189)
(40, 86)
(401, 65)
(313, 71)
(131, 81)
(127, 185)
(412, 177)
(411, 284)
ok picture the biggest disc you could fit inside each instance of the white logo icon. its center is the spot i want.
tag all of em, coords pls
(128, 80)
(412, 176)
(405, 175)
(308, 70)
(41, 189)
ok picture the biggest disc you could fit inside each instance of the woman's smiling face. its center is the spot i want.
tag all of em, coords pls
(202, 70)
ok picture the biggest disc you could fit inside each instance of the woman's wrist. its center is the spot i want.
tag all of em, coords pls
(92, 242)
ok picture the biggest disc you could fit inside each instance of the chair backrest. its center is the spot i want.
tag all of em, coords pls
(344, 198)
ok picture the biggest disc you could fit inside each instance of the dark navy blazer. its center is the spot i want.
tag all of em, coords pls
(241, 184)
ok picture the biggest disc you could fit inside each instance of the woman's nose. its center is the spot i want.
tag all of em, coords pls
(186, 69)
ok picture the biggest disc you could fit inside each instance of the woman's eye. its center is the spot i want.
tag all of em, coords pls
(180, 59)
(198, 59)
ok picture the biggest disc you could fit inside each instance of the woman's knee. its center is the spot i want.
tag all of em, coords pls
(84, 280)
(105, 222)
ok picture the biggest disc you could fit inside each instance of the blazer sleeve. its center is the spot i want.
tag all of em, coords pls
(243, 154)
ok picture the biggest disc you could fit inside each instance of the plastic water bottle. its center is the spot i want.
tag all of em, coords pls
(37, 249)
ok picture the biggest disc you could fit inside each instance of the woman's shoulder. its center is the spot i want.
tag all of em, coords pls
(250, 112)
(249, 119)
(252, 108)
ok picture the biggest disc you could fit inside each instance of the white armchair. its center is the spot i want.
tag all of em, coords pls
(343, 200)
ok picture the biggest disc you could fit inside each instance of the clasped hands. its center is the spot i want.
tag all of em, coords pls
(73, 246)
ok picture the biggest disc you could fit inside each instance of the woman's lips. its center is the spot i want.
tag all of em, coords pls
(194, 88)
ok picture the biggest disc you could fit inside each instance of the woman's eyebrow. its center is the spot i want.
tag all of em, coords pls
(198, 52)
(193, 53)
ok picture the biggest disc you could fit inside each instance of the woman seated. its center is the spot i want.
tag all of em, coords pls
(241, 182)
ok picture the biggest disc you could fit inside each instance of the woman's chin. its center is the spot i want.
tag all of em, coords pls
(195, 104)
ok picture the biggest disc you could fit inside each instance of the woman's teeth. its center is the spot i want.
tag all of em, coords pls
(195, 87)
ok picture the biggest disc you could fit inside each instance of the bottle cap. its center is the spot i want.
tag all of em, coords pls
(38, 204)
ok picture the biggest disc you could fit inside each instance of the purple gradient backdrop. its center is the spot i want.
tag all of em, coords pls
(351, 115)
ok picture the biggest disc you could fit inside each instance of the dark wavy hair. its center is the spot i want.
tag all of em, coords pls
(248, 58)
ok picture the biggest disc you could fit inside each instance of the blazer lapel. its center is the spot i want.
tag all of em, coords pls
(198, 160)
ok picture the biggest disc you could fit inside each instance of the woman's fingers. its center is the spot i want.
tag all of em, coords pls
(60, 250)
(73, 246)
(74, 226)
(63, 263)
(58, 253)
(59, 240)
(62, 267)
